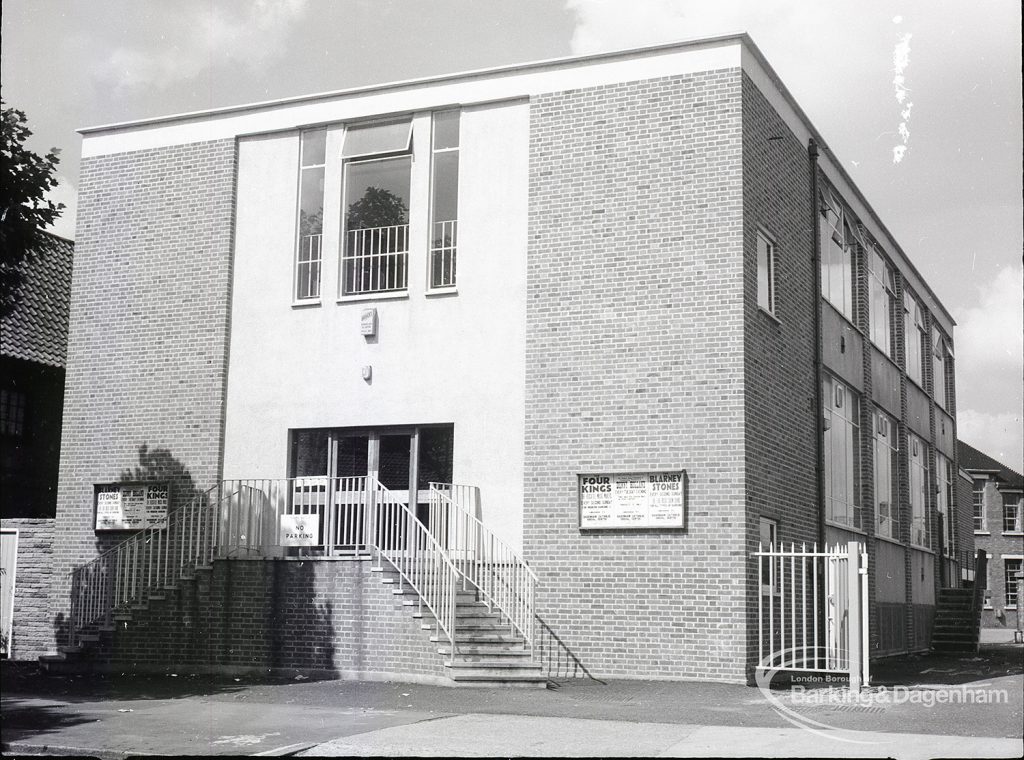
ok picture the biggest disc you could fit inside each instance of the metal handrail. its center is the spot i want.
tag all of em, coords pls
(499, 572)
(151, 559)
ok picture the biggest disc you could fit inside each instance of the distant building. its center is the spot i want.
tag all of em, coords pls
(997, 501)
(33, 350)
(627, 309)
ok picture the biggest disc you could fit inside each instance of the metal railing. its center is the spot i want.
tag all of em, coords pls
(812, 610)
(443, 248)
(149, 561)
(375, 260)
(307, 271)
(499, 572)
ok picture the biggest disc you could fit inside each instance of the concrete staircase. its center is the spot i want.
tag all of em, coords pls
(956, 621)
(488, 652)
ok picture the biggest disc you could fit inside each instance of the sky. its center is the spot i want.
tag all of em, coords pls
(920, 101)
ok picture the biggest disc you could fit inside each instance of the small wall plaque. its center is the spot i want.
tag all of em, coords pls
(368, 323)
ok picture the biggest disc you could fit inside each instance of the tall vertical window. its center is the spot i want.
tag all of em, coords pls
(769, 539)
(882, 295)
(1012, 513)
(842, 454)
(309, 245)
(978, 500)
(1011, 566)
(887, 490)
(942, 366)
(915, 337)
(765, 273)
(378, 170)
(12, 413)
(945, 502)
(444, 199)
(836, 257)
(920, 533)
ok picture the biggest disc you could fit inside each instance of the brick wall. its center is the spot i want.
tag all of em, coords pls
(779, 369)
(635, 307)
(32, 632)
(147, 352)
(333, 619)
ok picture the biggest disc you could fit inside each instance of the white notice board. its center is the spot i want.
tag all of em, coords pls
(131, 506)
(631, 500)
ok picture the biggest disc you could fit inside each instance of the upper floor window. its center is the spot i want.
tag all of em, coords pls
(765, 273)
(942, 370)
(1012, 513)
(309, 246)
(978, 501)
(945, 502)
(887, 485)
(915, 336)
(444, 199)
(842, 453)
(377, 177)
(920, 524)
(836, 256)
(882, 295)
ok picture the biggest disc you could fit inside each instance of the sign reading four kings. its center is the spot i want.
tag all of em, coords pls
(631, 500)
(131, 506)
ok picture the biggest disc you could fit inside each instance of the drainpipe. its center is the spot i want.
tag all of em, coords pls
(819, 440)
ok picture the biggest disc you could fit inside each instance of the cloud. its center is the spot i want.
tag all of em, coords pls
(989, 342)
(198, 37)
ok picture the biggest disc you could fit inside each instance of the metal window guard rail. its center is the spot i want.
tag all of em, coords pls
(375, 260)
(500, 573)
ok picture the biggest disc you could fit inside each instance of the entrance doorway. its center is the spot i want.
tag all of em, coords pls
(405, 460)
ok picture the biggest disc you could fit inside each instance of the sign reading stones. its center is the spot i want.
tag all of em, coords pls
(631, 500)
(131, 506)
(300, 530)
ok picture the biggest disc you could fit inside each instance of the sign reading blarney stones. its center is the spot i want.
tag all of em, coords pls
(131, 506)
(631, 500)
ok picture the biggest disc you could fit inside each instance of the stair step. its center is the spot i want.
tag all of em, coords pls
(484, 637)
(506, 650)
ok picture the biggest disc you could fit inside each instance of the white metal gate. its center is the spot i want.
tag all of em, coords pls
(812, 610)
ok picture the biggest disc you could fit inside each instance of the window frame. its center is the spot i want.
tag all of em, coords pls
(450, 251)
(298, 263)
(978, 505)
(945, 502)
(840, 396)
(914, 327)
(837, 235)
(771, 263)
(886, 443)
(1019, 560)
(773, 587)
(881, 290)
(1017, 521)
(918, 515)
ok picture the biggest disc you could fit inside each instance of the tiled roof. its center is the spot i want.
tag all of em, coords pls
(37, 329)
(972, 459)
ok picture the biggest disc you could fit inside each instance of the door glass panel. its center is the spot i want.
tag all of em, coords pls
(352, 457)
(309, 453)
(435, 462)
(394, 462)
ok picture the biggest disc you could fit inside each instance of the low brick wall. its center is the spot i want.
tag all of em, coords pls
(32, 632)
(325, 618)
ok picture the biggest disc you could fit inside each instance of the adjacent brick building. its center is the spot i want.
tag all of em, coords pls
(997, 497)
(519, 279)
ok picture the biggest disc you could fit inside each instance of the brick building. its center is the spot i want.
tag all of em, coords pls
(552, 282)
(997, 495)
(33, 348)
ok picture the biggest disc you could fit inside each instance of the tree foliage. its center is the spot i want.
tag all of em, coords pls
(377, 208)
(24, 210)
